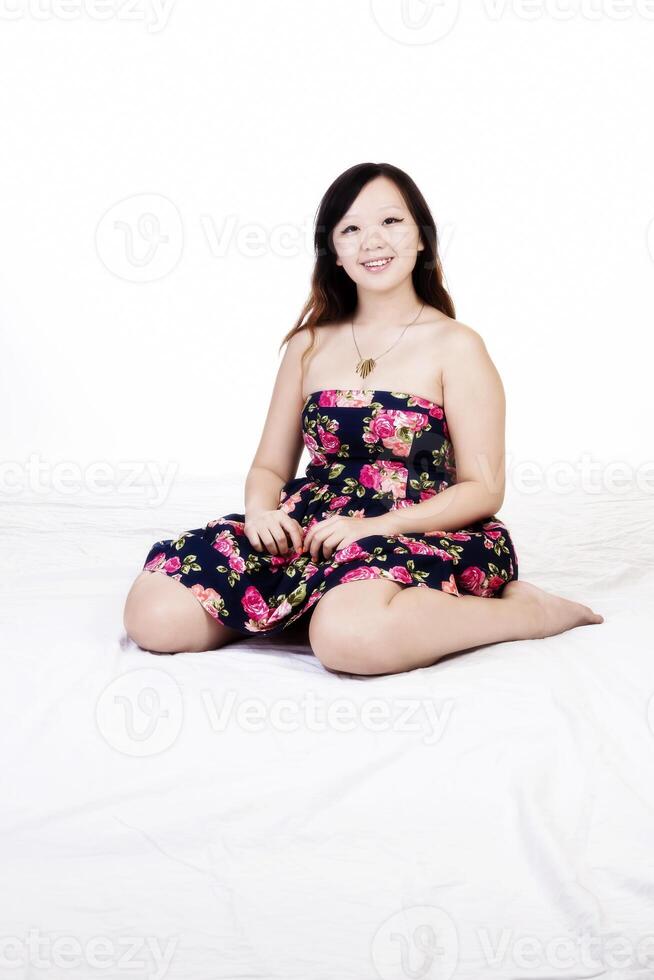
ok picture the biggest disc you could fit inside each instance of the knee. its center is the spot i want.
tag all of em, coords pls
(149, 621)
(353, 647)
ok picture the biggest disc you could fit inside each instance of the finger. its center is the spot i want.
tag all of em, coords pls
(269, 541)
(280, 537)
(308, 538)
(333, 543)
(290, 529)
(316, 544)
(254, 540)
(295, 533)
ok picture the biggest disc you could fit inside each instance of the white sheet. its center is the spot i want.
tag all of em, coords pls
(512, 810)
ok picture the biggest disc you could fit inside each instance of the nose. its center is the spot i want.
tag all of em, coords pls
(373, 240)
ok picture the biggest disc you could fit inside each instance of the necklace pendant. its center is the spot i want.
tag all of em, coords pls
(365, 367)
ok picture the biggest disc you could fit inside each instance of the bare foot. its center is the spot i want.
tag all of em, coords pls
(552, 613)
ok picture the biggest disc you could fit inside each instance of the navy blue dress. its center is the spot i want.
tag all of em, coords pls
(371, 451)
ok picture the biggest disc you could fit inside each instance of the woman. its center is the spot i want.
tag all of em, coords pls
(399, 498)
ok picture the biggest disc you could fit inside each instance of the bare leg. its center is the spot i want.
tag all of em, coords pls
(378, 627)
(163, 616)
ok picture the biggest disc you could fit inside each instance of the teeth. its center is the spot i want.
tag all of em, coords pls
(376, 263)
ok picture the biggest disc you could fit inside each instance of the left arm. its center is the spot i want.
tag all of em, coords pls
(475, 408)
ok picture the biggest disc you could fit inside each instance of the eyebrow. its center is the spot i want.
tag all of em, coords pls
(384, 207)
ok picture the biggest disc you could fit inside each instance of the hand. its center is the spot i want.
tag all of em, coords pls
(339, 531)
(273, 529)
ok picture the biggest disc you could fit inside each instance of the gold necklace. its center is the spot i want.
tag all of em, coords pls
(364, 367)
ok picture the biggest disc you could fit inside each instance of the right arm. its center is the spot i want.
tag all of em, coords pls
(277, 456)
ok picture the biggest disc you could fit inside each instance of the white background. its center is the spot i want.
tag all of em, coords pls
(526, 125)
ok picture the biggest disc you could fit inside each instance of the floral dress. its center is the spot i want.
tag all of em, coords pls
(371, 451)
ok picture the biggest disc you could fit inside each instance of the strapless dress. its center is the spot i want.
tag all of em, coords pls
(370, 452)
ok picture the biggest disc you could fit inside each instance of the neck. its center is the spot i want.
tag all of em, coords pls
(392, 308)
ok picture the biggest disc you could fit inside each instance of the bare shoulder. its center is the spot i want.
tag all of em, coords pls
(461, 338)
(468, 367)
(299, 342)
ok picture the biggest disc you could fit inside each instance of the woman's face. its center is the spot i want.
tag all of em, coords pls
(378, 225)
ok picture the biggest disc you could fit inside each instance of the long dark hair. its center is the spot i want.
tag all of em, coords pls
(333, 295)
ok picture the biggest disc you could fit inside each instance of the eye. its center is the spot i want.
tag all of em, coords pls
(390, 218)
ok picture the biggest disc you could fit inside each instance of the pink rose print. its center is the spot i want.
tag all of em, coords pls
(433, 408)
(329, 440)
(386, 476)
(327, 399)
(417, 547)
(338, 502)
(370, 476)
(277, 560)
(239, 526)
(266, 622)
(400, 574)
(349, 553)
(208, 597)
(472, 578)
(382, 426)
(493, 529)
(317, 458)
(495, 582)
(450, 586)
(224, 543)
(254, 603)
(237, 563)
(290, 503)
(155, 563)
(395, 429)
(357, 574)
(160, 564)
(351, 397)
(394, 477)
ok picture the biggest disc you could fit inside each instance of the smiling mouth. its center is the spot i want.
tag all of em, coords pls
(378, 263)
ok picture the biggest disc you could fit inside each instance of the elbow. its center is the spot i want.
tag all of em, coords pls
(490, 499)
(495, 501)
